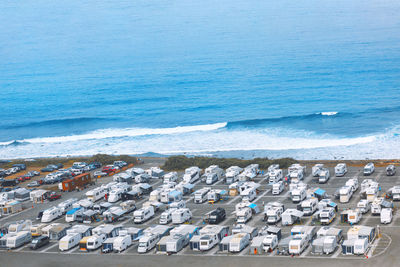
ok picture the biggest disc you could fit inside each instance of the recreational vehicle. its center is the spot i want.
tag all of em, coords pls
(243, 215)
(200, 196)
(121, 243)
(166, 216)
(67, 205)
(51, 214)
(291, 216)
(327, 215)
(249, 194)
(181, 216)
(298, 244)
(36, 230)
(346, 193)
(96, 194)
(270, 242)
(316, 169)
(171, 177)
(239, 242)
(390, 170)
(369, 169)
(19, 239)
(192, 175)
(273, 212)
(232, 174)
(71, 215)
(340, 169)
(386, 215)
(277, 188)
(323, 176)
(143, 214)
(148, 242)
(309, 206)
(364, 206)
(275, 176)
(298, 194)
(73, 237)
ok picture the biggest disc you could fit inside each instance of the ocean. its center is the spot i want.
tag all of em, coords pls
(305, 79)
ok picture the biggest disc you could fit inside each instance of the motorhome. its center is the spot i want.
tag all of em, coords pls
(249, 173)
(353, 183)
(277, 188)
(19, 239)
(169, 196)
(274, 176)
(116, 194)
(323, 176)
(243, 215)
(71, 215)
(376, 206)
(327, 215)
(51, 214)
(386, 215)
(181, 216)
(192, 175)
(208, 237)
(296, 176)
(273, 212)
(298, 194)
(232, 174)
(215, 195)
(213, 174)
(216, 216)
(364, 206)
(249, 194)
(166, 216)
(354, 216)
(148, 242)
(143, 214)
(100, 234)
(309, 206)
(239, 242)
(55, 231)
(155, 172)
(200, 196)
(113, 214)
(270, 242)
(67, 205)
(96, 194)
(369, 169)
(390, 170)
(142, 178)
(345, 194)
(171, 177)
(372, 192)
(102, 207)
(340, 169)
(395, 193)
(316, 169)
(271, 168)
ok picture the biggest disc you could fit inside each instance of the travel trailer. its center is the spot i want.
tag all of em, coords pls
(291, 216)
(340, 169)
(316, 169)
(143, 214)
(275, 176)
(181, 216)
(67, 205)
(232, 174)
(191, 175)
(96, 194)
(390, 170)
(71, 215)
(19, 239)
(323, 176)
(351, 216)
(170, 196)
(148, 242)
(73, 237)
(369, 169)
(270, 242)
(121, 243)
(239, 242)
(51, 214)
(277, 188)
(209, 236)
(298, 244)
(18, 226)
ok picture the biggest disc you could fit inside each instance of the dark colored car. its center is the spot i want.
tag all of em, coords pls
(217, 216)
(39, 242)
(59, 166)
(11, 182)
(48, 169)
(54, 196)
(96, 164)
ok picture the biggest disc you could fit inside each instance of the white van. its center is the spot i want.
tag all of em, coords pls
(249, 194)
(340, 169)
(369, 169)
(278, 188)
(51, 214)
(386, 215)
(147, 242)
(122, 242)
(275, 176)
(143, 214)
(166, 217)
(181, 216)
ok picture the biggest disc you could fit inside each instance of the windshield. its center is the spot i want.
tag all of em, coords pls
(307, 209)
(35, 241)
(142, 244)
(90, 243)
(272, 217)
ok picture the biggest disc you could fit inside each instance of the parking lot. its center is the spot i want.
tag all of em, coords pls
(378, 248)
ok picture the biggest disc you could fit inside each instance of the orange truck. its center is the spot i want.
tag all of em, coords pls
(79, 181)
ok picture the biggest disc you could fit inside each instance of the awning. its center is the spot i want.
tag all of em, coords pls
(320, 192)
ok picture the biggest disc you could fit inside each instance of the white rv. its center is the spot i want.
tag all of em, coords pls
(51, 214)
(316, 169)
(121, 243)
(345, 193)
(166, 216)
(191, 175)
(364, 206)
(278, 188)
(275, 176)
(309, 206)
(116, 194)
(213, 174)
(148, 242)
(243, 215)
(19, 239)
(171, 177)
(232, 174)
(386, 215)
(353, 183)
(270, 242)
(249, 194)
(96, 194)
(200, 196)
(340, 169)
(291, 216)
(67, 205)
(323, 176)
(354, 216)
(298, 244)
(143, 214)
(369, 169)
(239, 242)
(73, 237)
(273, 212)
(395, 192)
(376, 206)
(298, 194)
(327, 215)
(181, 216)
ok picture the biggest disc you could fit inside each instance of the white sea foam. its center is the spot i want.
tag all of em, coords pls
(328, 113)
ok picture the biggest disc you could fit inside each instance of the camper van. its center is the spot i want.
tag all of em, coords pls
(51, 214)
(143, 214)
(166, 216)
(147, 242)
(340, 169)
(200, 196)
(181, 216)
(376, 206)
(275, 176)
(345, 194)
(232, 174)
(369, 169)
(298, 194)
(309, 206)
(243, 215)
(353, 183)
(390, 170)
(239, 242)
(354, 216)
(116, 194)
(213, 174)
(316, 169)
(96, 194)
(273, 212)
(19, 239)
(323, 176)
(386, 215)
(364, 206)
(192, 175)
(327, 215)
(278, 188)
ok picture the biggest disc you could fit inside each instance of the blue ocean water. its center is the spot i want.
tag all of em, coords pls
(277, 78)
